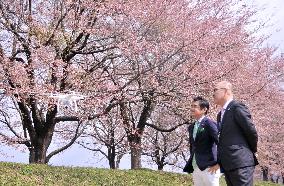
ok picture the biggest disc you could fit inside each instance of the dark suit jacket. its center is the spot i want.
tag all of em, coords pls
(204, 145)
(238, 138)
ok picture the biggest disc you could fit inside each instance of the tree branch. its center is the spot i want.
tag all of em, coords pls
(165, 130)
(76, 136)
(95, 150)
(66, 118)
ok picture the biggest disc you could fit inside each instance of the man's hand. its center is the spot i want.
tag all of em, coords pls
(213, 169)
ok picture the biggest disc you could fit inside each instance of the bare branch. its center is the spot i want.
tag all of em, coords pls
(66, 118)
(94, 149)
(166, 130)
(76, 136)
(8, 124)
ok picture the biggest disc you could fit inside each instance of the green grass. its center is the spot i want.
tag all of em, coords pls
(29, 175)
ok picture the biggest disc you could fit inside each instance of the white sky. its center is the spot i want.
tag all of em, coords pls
(76, 156)
(273, 9)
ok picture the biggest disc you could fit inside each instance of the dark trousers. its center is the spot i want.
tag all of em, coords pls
(240, 177)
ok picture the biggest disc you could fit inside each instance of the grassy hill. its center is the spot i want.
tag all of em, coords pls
(23, 174)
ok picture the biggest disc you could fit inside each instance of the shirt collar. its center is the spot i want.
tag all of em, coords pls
(200, 119)
(227, 103)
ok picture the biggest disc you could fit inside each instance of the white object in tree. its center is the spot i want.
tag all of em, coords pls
(2, 91)
(67, 100)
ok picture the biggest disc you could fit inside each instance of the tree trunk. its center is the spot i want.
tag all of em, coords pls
(161, 163)
(38, 152)
(135, 158)
(111, 157)
(39, 144)
(111, 150)
(160, 166)
(118, 158)
(111, 164)
(272, 178)
(277, 178)
(264, 173)
(134, 134)
(37, 155)
(136, 151)
(40, 131)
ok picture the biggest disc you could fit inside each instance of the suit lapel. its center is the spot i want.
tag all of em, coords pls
(228, 109)
(190, 130)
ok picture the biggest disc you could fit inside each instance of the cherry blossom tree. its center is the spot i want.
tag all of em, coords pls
(47, 47)
(106, 136)
(212, 44)
(164, 148)
(142, 57)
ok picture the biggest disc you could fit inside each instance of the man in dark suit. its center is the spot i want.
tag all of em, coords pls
(237, 139)
(203, 137)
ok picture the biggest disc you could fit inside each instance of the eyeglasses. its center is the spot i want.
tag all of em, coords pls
(216, 89)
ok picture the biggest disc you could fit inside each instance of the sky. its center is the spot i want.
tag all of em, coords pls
(273, 9)
(77, 156)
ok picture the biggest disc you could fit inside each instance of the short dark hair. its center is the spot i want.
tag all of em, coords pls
(203, 103)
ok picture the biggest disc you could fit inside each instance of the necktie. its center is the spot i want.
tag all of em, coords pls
(222, 114)
(196, 125)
